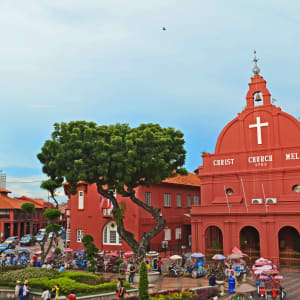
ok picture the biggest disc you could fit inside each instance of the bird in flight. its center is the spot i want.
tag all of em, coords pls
(164, 28)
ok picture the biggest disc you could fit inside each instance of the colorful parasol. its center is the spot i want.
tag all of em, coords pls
(175, 257)
(234, 256)
(218, 257)
(128, 254)
(68, 250)
(197, 255)
(264, 277)
(113, 254)
(278, 277)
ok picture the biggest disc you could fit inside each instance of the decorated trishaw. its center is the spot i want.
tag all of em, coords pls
(236, 266)
(195, 265)
(23, 256)
(175, 269)
(267, 279)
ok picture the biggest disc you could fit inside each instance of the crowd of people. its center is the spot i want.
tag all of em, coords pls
(22, 292)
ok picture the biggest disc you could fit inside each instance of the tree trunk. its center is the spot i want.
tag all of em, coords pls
(138, 247)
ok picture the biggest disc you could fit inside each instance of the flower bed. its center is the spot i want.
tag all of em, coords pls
(200, 294)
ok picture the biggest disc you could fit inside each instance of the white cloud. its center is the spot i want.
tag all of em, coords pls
(30, 186)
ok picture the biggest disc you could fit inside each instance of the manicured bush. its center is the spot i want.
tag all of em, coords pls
(39, 278)
(11, 268)
(27, 273)
(143, 283)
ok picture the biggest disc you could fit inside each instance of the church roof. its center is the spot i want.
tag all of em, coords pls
(190, 179)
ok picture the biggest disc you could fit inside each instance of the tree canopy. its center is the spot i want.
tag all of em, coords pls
(116, 158)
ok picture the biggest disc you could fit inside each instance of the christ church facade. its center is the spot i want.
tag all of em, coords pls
(250, 185)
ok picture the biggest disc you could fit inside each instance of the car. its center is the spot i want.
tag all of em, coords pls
(40, 237)
(3, 247)
(12, 241)
(27, 240)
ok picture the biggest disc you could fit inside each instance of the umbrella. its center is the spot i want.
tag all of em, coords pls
(113, 254)
(68, 250)
(218, 257)
(9, 251)
(263, 277)
(152, 253)
(38, 253)
(23, 250)
(197, 255)
(128, 254)
(234, 256)
(278, 277)
(175, 257)
(77, 252)
(101, 252)
(245, 288)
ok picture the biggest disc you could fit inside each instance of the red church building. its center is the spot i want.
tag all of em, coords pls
(250, 185)
(90, 213)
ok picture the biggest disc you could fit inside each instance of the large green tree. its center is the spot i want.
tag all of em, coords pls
(116, 158)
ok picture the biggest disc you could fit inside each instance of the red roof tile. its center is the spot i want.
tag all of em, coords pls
(190, 180)
(2, 190)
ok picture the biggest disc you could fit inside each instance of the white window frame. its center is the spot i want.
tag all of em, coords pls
(108, 233)
(196, 200)
(148, 198)
(79, 235)
(167, 200)
(80, 199)
(178, 233)
(178, 200)
(188, 201)
(167, 234)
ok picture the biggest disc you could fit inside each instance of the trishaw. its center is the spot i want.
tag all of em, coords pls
(236, 266)
(175, 268)
(23, 256)
(8, 257)
(195, 265)
(219, 268)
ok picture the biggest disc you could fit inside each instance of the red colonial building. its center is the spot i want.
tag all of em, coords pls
(250, 185)
(89, 213)
(13, 221)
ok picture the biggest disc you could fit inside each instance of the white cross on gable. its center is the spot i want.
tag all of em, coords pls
(258, 125)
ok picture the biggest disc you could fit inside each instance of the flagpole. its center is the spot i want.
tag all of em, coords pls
(228, 206)
(262, 186)
(244, 193)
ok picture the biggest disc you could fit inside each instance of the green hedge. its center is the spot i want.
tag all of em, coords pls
(10, 277)
(42, 278)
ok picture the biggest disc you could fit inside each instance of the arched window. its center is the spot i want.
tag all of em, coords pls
(110, 234)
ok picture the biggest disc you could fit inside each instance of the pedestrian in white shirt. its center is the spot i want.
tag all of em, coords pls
(45, 294)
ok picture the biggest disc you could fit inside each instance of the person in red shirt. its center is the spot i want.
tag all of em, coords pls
(159, 264)
(34, 259)
(71, 296)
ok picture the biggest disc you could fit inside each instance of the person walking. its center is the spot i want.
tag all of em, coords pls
(132, 271)
(45, 295)
(55, 292)
(26, 290)
(17, 289)
(159, 264)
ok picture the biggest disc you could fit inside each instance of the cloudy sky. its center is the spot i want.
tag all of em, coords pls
(110, 61)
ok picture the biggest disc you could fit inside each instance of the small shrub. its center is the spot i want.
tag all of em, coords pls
(143, 283)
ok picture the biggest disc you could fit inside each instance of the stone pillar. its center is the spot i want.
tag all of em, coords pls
(11, 222)
(19, 229)
(229, 238)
